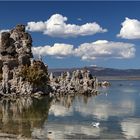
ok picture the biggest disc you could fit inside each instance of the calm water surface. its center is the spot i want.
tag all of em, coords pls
(117, 108)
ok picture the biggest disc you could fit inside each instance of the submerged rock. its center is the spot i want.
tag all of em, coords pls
(104, 83)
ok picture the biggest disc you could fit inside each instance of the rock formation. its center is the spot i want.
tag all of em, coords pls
(20, 74)
(18, 69)
(15, 47)
(80, 81)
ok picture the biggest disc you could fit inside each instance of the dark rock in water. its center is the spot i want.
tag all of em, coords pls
(104, 83)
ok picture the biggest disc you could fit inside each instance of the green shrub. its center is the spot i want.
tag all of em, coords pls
(36, 74)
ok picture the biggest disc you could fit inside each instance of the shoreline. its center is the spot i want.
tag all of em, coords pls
(119, 78)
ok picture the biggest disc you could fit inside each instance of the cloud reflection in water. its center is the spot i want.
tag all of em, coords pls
(131, 128)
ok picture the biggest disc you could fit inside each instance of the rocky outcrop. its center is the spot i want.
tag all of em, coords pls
(80, 81)
(20, 72)
(104, 84)
(22, 75)
(15, 47)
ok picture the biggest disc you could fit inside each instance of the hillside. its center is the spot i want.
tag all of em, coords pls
(109, 73)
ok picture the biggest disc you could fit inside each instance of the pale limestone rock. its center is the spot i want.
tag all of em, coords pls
(5, 78)
(80, 81)
(51, 76)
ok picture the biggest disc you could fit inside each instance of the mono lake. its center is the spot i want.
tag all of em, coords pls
(116, 108)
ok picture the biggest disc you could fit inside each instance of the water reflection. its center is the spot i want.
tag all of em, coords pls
(101, 108)
(131, 128)
(72, 131)
(68, 104)
(62, 105)
(110, 108)
(19, 116)
(70, 116)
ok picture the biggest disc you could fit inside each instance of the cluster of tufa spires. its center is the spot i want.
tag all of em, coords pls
(80, 81)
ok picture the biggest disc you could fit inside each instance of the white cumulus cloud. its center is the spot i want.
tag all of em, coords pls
(56, 26)
(4, 30)
(89, 51)
(105, 49)
(39, 26)
(130, 29)
(57, 50)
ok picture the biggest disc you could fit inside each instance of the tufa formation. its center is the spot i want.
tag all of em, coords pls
(20, 74)
(79, 81)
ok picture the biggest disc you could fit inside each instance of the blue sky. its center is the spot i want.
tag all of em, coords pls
(84, 44)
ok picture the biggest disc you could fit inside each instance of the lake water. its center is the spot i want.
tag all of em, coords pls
(117, 108)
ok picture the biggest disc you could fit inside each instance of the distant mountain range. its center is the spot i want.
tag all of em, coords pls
(100, 71)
